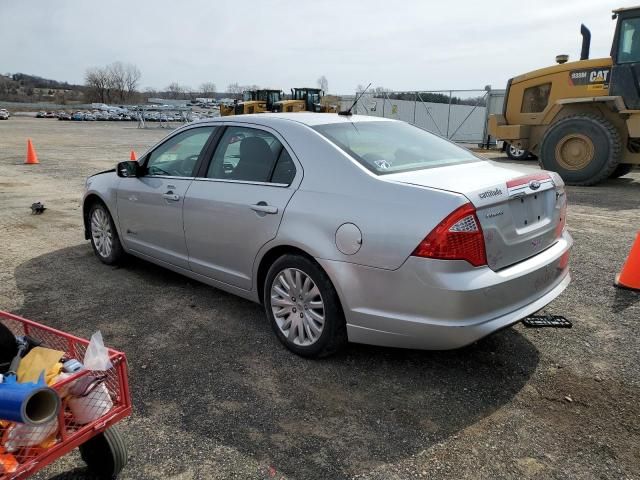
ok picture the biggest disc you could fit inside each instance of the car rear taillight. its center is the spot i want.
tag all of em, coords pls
(457, 237)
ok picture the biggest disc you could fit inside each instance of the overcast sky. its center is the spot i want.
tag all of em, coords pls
(401, 45)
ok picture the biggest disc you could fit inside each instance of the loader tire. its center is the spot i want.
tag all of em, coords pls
(584, 149)
(621, 170)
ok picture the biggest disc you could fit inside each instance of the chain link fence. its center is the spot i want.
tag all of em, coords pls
(459, 115)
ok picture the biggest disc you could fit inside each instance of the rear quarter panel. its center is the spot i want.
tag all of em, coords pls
(393, 218)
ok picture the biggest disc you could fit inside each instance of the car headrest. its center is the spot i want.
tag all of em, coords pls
(254, 148)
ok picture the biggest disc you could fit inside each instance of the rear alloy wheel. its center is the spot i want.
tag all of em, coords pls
(584, 149)
(515, 153)
(303, 307)
(104, 236)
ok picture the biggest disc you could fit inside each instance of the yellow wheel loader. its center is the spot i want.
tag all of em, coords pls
(253, 101)
(306, 100)
(581, 119)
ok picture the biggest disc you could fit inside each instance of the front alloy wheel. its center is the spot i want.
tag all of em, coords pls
(104, 237)
(101, 232)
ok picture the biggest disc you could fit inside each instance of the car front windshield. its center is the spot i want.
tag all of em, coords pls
(392, 147)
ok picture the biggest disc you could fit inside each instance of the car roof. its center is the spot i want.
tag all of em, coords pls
(306, 118)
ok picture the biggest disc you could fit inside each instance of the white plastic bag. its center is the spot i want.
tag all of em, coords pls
(97, 355)
(96, 403)
(24, 435)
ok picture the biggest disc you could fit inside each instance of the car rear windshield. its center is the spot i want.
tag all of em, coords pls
(392, 147)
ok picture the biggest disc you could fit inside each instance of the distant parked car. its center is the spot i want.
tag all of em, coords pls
(40, 114)
(50, 115)
(89, 117)
(77, 116)
(4, 114)
(64, 116)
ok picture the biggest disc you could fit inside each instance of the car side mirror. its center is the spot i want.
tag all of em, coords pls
(130, 168)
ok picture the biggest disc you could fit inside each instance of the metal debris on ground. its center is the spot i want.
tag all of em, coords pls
(37, 208)
(540, 321)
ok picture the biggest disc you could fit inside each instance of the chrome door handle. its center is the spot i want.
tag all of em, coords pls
(262, 207)
(172, 197)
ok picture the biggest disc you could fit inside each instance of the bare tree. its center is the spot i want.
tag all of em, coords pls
(175, 90)
(234, 89)
(323, 83)
(98, 84)
(190, 93)
(115, 73)
(131, 79)
(208, 89)
(115, 82)
(237, 90)
(380, 91)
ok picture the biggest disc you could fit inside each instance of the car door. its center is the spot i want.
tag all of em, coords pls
(236, 205)
(150, 206)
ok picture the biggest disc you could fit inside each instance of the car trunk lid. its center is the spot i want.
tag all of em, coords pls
(520, 209)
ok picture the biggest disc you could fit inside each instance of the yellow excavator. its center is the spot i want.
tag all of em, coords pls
(581, 119)
(306, 100)
(253, 101)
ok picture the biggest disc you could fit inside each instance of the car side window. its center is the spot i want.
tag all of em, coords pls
(177, 157)
(246, 154)
(284, 170)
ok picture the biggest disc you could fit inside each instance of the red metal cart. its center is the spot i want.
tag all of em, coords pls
(100, 444)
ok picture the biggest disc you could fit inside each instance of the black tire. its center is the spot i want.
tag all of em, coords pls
(334, 334)
(604, 141)
(515, 153)
(105, 454)
(621, 170)
(117, 253)
(8, 348)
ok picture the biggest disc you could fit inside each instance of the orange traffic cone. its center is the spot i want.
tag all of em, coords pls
(133, 156)
(629, 277)
(32, 157)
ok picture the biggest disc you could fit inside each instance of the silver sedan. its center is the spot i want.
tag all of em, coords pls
(346, 228)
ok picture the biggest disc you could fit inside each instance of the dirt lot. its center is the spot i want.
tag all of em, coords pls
(217, 397)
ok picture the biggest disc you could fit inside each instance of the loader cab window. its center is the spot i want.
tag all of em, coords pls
(629, 42)
(535, 99)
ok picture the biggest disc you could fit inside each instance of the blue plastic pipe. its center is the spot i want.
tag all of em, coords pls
(30, 403)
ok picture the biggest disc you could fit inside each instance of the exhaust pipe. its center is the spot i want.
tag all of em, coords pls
(586, 42)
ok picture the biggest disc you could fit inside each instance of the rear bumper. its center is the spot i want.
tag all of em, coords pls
(439, 305)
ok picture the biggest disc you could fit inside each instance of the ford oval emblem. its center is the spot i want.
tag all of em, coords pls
(534, 184)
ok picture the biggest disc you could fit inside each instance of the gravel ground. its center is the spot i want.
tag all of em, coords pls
(216, 396)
